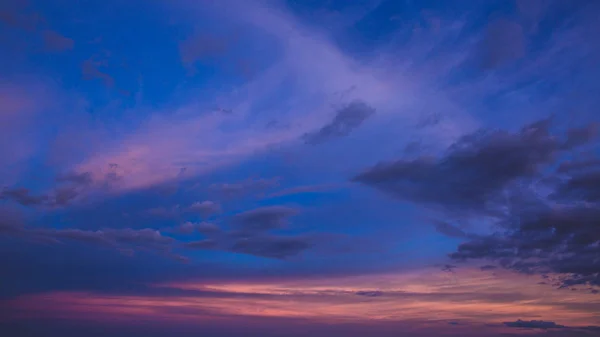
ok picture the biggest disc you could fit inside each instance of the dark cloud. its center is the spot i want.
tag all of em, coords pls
(534, 325)
(264, 219)
(504, 41)
(373, 293)
(581, 136)
(487, 267)
(84, 178)
(201, 46)
(23, 196)
(11, 221)
(205, 208)
(303, 189)
(204, 228)
(474, 171)
(93, 69)
(69, 188)
(584, 186)
(55, 42)
(491, 174)
(271, 246)
(345, 121)
(208, 228)
(448, 229)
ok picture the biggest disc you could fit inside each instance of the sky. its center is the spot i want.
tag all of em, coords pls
(298, 168)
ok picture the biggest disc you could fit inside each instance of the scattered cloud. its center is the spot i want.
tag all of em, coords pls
(534, 325)
(264, 219)
(55, 42)
(345, 121)
(448, 229)
(205, 208)
(271, 246)
(504, 41)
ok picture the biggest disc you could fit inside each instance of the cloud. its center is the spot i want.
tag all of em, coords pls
(70, 187)
(137, 238)
(345, 121)
(369, 293)
(205, 228)
(91, 69)
(271, 246)
(498, 176)
(23, 196)
(448, 229)
(245, 187)
(534, 325)
(205, 208)
(302, 190)
(11, 221)
(504, 41)
(202, 244)
(264, 219)
(473, 172)
(55, 42)
(201, 46)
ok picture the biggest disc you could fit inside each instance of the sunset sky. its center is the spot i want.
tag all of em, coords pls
(224, 168)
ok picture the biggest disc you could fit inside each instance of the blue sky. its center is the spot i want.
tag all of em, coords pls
(324, 164)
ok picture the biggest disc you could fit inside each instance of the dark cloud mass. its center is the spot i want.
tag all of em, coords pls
(345, 121)
(264, 218)
(279, 247)
(474, 171)
(498, 175)
(534, 324)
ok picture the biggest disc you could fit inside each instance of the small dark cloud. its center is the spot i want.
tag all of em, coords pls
(534, 325)
(55, 42)
(302, 190)
(278, 247)
(345, 121)
(504, 41)
(23, 196)
(69, 188)
(449, 268)
(264, 218)
(204, 228)
(11, 221)
(92, 69)
(448, 229)
(373, 293)
(581, 136)
(487, 267)
(208, 228)
(201, 46)
(184, 228)
(574, 166)
(16, 15)
(84, 178)
(205, 208)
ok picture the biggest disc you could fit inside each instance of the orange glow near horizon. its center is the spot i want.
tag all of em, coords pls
(469, 296)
